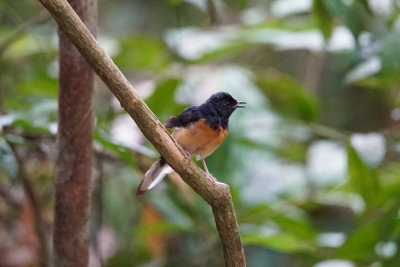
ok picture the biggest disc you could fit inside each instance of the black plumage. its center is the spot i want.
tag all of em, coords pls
(216, 110)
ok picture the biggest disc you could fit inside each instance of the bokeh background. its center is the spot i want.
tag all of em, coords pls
(312, 162)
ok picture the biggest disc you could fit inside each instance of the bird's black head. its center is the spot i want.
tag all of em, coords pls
(219, 107)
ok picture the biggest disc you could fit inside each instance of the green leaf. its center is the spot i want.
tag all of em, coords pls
(40, 118)
(323, 16)
(390, 55)
(42, 85)
(388, 76)
(231, 48)
(288, 97)
(174, 2)
(379, 225)
(28, 45)
(176, 211)
(360, 244)
(365, 5)
(356, 17)
(239, 4)
(363, 179)
(336, 8)
(28, 126)
(121, 151)
(280, 242)
(142, 53)
(260, 214)
(293, 151)
(394, 17)
(162, 101)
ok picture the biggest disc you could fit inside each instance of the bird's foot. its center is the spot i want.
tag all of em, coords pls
(212, 178)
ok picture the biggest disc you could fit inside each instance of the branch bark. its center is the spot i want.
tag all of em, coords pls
(217, 195)
(75, 138)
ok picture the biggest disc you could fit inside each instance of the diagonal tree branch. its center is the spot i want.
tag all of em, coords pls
(217, 195)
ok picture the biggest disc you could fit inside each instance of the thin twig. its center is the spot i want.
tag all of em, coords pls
(34, 200)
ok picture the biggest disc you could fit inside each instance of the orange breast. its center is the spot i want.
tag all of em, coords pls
(199, 138)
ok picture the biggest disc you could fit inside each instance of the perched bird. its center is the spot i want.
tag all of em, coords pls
(200, 130)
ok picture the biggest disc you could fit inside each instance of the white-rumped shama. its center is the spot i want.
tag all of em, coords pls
(200, 130)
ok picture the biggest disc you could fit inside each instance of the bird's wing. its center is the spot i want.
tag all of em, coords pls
(187, 117)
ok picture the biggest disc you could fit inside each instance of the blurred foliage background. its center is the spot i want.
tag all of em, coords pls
(312, 162)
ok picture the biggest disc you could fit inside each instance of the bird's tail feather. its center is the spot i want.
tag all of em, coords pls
(154, 176)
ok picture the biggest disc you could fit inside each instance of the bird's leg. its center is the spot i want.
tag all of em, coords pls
(209, 175)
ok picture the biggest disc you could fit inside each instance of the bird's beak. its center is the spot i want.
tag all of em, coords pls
(240, 104)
